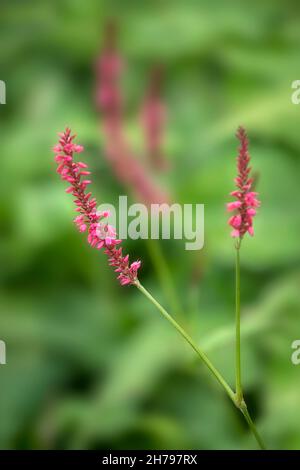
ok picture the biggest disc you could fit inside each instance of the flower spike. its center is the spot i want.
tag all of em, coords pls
(246, 199)
(100, 233)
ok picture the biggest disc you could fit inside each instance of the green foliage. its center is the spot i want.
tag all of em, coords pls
(89, 364)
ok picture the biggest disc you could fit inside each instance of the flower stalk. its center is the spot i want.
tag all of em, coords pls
(218, 376)
(189, 340)
(238, 378)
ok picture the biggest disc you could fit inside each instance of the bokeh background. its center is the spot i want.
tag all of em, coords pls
(90, 364)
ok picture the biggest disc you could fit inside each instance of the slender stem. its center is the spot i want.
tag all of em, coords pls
(240, 402)
(240, 405)
(252, 426)
(191, 342)
(238, 379)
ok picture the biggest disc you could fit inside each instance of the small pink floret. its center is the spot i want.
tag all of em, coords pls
(231, 206)
(235, 233)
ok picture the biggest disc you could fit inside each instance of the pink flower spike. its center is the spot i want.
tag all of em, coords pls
(242, 221)
(100, 235)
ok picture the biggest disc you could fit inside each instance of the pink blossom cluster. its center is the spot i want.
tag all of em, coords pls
(100, 233)
(246, 199)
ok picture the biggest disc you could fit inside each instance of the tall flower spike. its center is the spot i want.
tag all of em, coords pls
(246, 202)
(100, 234)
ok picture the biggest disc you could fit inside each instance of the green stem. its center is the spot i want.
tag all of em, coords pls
(252, 426)
(238, 379)
(191, 342)
(240, 402)
(242, 405)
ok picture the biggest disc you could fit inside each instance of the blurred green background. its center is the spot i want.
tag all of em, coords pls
(90, 364)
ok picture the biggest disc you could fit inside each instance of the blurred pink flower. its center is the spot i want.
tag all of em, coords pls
(125, 164)
(100, 234)
(242, 221)
(153, 120)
